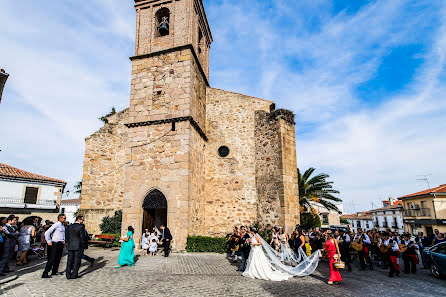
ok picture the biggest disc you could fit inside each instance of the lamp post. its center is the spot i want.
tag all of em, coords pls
(3, 78)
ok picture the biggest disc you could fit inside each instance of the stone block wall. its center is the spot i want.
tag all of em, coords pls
(269, 183)
(276, 170)
(102, 180)
(160, 159)
(161, 86)
(231, 195)
(289, 174)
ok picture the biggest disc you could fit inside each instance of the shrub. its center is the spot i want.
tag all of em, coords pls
(206, 244)
(112, 224)
(309, 220)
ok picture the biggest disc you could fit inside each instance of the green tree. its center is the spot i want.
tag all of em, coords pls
(316, 189)
(344, 221)
(309, 220)
(78, 188)
(104, 119)
(112, 224)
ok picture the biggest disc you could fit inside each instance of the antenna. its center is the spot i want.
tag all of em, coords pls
(424, 177)
(353, 206)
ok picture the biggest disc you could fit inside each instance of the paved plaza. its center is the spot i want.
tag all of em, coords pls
(205, 275)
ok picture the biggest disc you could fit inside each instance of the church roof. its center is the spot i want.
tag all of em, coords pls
(16, 173)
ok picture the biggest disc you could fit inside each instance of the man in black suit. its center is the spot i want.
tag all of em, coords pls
(166, 238)
(75, 239)
(244, 248)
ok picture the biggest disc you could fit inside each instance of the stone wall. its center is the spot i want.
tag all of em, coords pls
(159, 160)
(269, 181)
(161, 86)
(231, 195)
(289, 174)
(276, 170)
(102, 180)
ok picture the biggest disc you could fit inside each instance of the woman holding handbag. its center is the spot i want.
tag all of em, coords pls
(332, 249)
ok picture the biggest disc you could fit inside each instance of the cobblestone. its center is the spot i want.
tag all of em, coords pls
(205, 275)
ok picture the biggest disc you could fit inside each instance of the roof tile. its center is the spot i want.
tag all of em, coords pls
(9, 171)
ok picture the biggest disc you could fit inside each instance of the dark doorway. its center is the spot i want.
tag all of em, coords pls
(155, 210)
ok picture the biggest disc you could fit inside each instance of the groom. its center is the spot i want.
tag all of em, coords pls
(244, 247)
(166, 238)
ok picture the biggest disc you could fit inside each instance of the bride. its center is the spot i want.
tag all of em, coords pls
(263, 263)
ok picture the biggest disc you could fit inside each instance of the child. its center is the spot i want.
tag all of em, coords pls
(307, 246)
(153, 247)
(145, 243)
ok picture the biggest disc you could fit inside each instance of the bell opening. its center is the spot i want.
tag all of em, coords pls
(162, 17)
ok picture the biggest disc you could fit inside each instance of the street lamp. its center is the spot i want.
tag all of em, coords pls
(3, 78)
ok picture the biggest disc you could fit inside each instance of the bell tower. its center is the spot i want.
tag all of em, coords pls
(166, 126)
(165, 25)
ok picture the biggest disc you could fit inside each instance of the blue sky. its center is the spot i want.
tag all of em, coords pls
(366, 80)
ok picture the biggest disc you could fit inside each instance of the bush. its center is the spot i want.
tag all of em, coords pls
(206, 244)
(309, 220)
(112, 224)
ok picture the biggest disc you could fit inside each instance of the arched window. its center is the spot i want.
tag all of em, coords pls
(162, 17)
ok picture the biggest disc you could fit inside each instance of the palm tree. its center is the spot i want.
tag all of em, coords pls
(316, 189)
(78, 187)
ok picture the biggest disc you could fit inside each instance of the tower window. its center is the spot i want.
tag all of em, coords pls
(162, 22)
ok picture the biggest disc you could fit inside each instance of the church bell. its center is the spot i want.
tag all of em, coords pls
(3, 78)
(163, 28)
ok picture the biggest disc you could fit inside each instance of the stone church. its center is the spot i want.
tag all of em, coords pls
(197, 159)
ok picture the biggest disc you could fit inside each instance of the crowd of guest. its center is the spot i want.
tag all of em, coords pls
(385, 249)
(20, 240)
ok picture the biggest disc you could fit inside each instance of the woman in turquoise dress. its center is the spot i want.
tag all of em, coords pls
(127, 254)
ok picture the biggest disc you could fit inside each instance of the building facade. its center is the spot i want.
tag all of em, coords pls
(70, 208)
(362, 220)
(328, 217)
(198, 159)
(390, 216)
(425, 211)
(28, 194)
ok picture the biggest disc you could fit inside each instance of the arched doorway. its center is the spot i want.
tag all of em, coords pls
(155, 210)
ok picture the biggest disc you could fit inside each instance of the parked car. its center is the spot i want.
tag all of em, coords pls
(435, 258)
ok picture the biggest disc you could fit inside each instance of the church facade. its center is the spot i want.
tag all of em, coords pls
(197, 159)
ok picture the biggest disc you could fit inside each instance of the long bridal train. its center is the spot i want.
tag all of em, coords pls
(264, 263)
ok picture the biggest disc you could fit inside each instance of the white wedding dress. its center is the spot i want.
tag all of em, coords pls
(264, 263)
(260, 267)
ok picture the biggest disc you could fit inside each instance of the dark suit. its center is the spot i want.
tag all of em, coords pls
(75, 239)
(167, 238)
(244, 248)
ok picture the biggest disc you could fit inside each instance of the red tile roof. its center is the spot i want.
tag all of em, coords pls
(9, 171)
(359, 216)
(440, 189)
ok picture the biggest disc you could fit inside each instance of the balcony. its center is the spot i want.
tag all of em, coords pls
(16, 202)
(420, 212)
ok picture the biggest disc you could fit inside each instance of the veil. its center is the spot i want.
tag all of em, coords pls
(295, 264)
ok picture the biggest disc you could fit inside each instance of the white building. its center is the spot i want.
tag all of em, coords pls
(70, 207)
(362, 220)
(28, 194)
(328, 217)
(390, 216)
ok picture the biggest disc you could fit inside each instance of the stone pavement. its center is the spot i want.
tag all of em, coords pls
(205, 275)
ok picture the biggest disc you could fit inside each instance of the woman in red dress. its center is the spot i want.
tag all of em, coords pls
(332, 248)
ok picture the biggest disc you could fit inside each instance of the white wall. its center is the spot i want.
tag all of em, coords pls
(69, 211)
(16, 190)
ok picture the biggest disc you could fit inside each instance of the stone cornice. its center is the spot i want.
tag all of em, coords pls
(171, 120)
(174, 49)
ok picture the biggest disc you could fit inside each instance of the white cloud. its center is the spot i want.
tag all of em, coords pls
(68, 65)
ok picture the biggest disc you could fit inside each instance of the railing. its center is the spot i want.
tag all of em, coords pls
(17, 200)
(420, 212)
